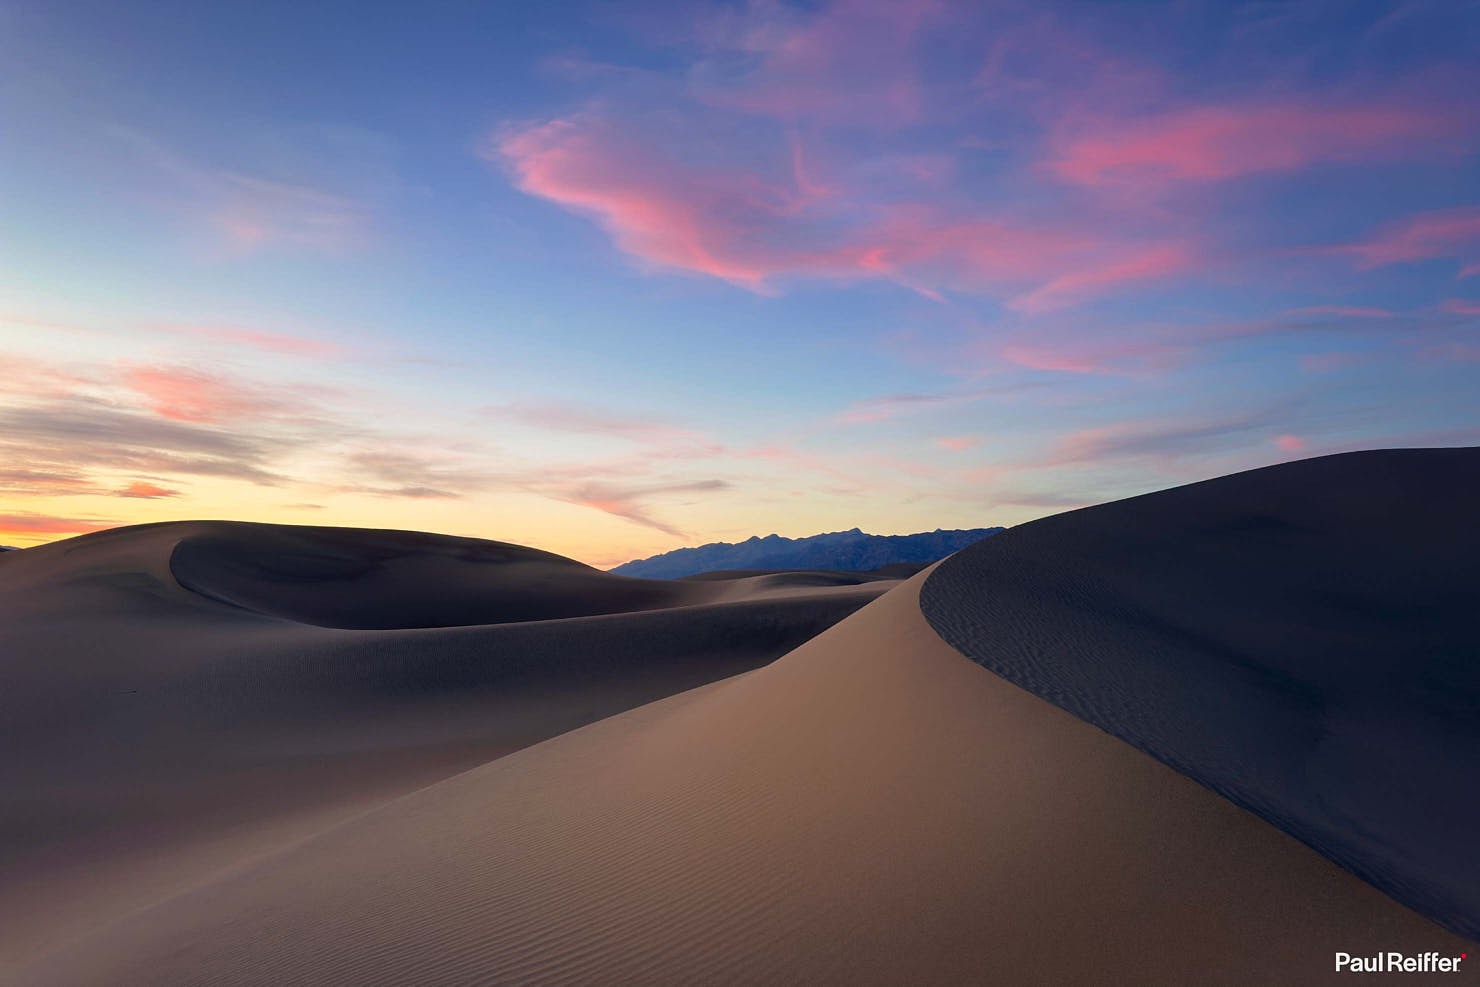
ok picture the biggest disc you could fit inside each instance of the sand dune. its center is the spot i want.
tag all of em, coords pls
(870, 808)
(1303, 639)
(353, 578)
(175, 700)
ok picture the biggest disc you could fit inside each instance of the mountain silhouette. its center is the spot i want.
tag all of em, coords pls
(852, 550)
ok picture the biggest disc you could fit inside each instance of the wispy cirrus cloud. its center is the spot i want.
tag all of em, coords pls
(1439, 233)
(385, 469)
(586, 419)
(1153, 439)
(1142, 265)
(317, 192)
(768, 155)
(1460, 306)
(44, 481)
(283, 344)
(188, 394)
(144, 490)
(1201, 144)
(1155, 349)
(853, 62)
(752, 228)
(1350, 311)
(83, 433)
(630, 503)
(886, 407)
(1112, 356)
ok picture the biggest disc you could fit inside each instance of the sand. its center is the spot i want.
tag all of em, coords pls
(152, 737)
(871, 807)
(1303, 639)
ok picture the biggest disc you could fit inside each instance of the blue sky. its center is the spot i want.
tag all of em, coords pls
(611, 278)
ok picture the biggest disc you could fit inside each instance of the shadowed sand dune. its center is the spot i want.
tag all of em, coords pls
(177, 699)
(1303, 639)
(350, 577)
(870, 808)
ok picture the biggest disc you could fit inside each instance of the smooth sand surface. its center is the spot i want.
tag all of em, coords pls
(177, 700)
(1304, 639)
(352, 577)
(871, 808)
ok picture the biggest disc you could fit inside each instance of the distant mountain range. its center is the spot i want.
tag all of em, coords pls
(851, 550)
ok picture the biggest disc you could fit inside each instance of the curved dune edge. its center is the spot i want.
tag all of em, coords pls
(1301, 639)
(153, 739)
(372, 579)
(871, 808)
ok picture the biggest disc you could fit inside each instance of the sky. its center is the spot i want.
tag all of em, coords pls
(609, 279)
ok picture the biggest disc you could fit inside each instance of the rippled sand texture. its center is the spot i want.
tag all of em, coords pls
(178, 700)
(1303, 639)
(871, 808)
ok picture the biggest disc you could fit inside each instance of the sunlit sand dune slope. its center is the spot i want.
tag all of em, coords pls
(178, 699)
(871, 808)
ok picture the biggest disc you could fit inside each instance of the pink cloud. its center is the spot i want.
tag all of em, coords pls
(189, 395)
(917, 240)
(792, 456)
(868, 162)
(748, 229)
(146, 491)
(249, 211)
(958, 443)
(1352, 311)
(890, 406)
(587, 420)
(1042, 359)
(1290, 443)
(886, 407)
(1205, 144)
(1460, 306)
(43, 479)
(852, 61)
(802, 174)
(37, 378)
(1439, 233)
(252, 212)
(627, 503)
(668, 216)
(1070, 346)
(1162, 441)
(270, 342)
(45, 524)
(1116, 357)
(1078, 285)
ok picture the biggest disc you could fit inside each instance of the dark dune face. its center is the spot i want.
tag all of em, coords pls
(1303, 639)
(355, 578)
(177, 697)
(871, 808)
